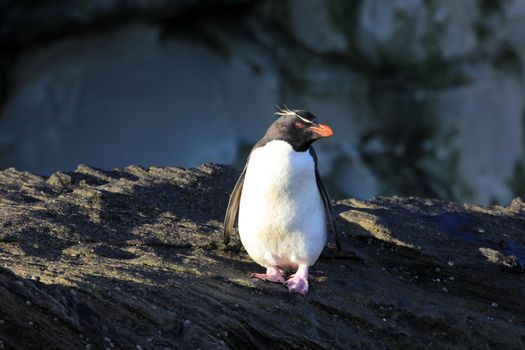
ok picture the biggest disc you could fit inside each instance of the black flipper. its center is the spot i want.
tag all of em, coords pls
(330, 216)
(233, 207)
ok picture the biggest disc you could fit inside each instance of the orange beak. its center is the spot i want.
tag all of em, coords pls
(322, 130)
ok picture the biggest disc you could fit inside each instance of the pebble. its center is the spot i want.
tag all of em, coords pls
(445, 289)
(384, 319)
(107, 339)
(437, 269)
(494, 304)
(450, 263)
(31, 323)
(187, 322)
(139, 347)
(88, 346)
(20, 283)
(28, 303)
(2, 321)
(35, 278)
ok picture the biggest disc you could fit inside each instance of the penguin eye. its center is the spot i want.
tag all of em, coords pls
(299, 125)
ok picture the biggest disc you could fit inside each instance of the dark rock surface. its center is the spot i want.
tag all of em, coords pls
(29, 23)
(132, 259)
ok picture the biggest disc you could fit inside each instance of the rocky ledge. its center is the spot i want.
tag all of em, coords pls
(132, 259)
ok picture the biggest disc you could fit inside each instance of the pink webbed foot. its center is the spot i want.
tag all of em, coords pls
(272, 274)
(298, 282)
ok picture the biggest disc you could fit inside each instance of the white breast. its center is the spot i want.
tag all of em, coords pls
(281, 216)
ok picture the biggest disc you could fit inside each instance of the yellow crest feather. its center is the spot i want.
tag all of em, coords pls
(287, 112)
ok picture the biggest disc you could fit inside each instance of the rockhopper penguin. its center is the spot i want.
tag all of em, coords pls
(283, 205)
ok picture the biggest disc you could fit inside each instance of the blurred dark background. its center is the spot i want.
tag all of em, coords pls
(426, 97)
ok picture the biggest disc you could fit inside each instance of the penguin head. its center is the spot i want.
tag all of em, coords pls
(299, 128)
